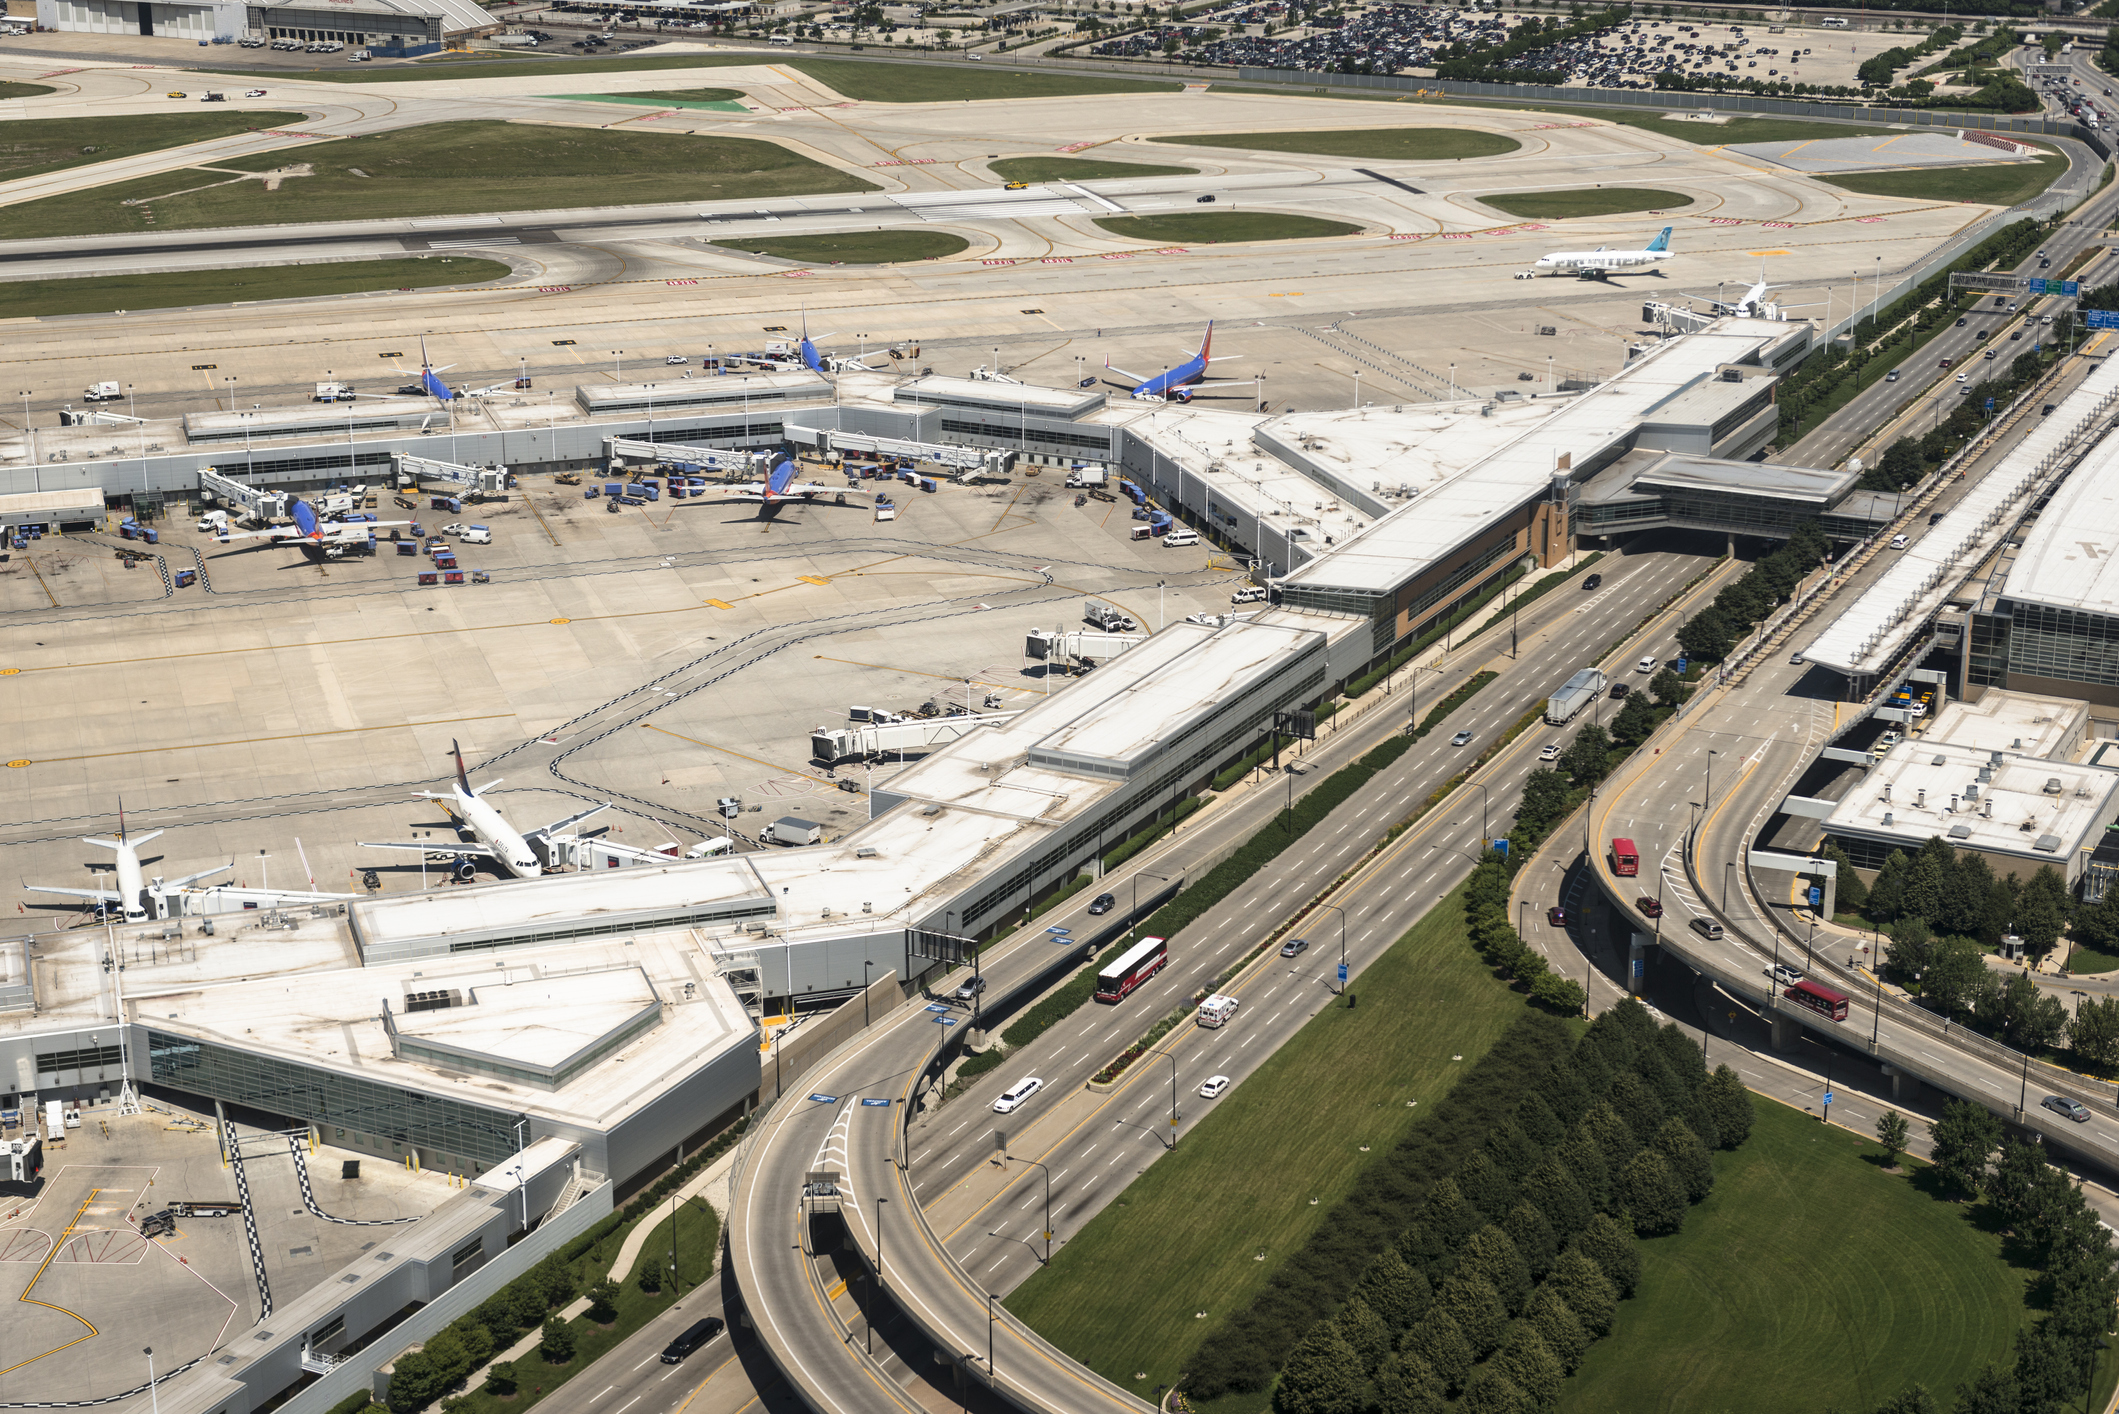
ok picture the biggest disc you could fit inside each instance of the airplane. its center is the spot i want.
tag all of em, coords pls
(312, 532)
(497, 840)
(781, 486)
(1753, 304)
(806, 356)
(429, 376)
(138, 900)
(1604, 261)
(1179, 383)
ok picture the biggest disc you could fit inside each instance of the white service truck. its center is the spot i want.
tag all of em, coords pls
(102, 393)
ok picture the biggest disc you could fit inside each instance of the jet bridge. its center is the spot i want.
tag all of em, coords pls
(478, 480)
(251, 503)
(686, 459)
(832, 746)
(965, 461)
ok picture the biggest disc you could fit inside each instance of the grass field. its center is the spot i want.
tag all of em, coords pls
(1218, 227)
(24, 90)
(1182, 1237)
(35, 146)
(874, 82)
(442, 169)
(1997, 184)
(1736, 130)
(1585, 201)
(855, 247)
(1381, 144)
(99, 294)
(723, 99)
(1808, 1280)
(1078, 169)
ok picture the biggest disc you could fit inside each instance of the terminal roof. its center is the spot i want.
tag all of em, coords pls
(2017, 722)
(2041, 810)
(2070, 559)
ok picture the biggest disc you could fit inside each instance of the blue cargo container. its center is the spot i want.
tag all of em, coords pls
(614, 488)
(149, 534)
(651, 493)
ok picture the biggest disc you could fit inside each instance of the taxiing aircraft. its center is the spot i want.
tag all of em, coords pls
(1603, 261)
(137, 899)
(1179, 383)
(497, 840)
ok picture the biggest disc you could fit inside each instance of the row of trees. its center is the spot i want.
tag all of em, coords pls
(1514, 1264)
(526, 1303)
(1710, 634)
(1876, 72)
(1493, 63)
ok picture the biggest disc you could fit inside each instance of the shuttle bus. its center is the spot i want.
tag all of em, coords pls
(1822, 1000)
(1625, 858)
(1132, 967)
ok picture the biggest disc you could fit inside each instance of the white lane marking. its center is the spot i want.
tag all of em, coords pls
(604, 1391)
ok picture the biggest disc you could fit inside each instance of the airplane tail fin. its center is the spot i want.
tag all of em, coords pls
(777, 484)
(1206, 345)
(462, 780)
(1662, 240)
(121, 842)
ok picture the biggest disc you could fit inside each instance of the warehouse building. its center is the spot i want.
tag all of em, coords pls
(389, 28)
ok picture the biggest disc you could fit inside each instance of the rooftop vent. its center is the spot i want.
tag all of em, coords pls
(2052, 785)
(2048, 843)
(1960, 832)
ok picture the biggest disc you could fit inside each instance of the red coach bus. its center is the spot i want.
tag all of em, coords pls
(1822, 1000)
(1625, 859)
(1133, 967)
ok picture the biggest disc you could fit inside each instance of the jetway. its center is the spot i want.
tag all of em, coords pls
(964, 460)
(479, 480)
(253, 504)
(874, 738)
(1079, 644)
(687, 459)
(600, 852)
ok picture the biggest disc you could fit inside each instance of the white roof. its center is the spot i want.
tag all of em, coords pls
(1870, 631)
(29, 503)
(2071, 557)
(1401, 544)
(2028, 819)
(2017, 722)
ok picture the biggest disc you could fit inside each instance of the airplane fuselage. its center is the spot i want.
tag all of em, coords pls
(510, 850)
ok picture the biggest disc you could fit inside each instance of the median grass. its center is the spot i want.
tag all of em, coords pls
(24, 90)
(855, 247)
(440, 169)
(1990, 184)
(1380, 144)
(34, 146)
(1217, 227)
(1185, 1236)
(1078, 169)
(1777, 1297)
(1709, 134)
(1585, 201)
(712, 99)
(100, 294)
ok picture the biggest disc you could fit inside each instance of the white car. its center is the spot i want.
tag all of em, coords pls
(1646, 665)
(1214, 1086)
(675, 359)
(1551, 752)
(1015, 1094)
(254, 93)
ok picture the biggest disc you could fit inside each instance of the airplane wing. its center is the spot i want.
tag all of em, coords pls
(557, 825)
(194, 878)
(103, 895)
(1224, 383)
(265, 896)
(450, 849)
(1136, 377)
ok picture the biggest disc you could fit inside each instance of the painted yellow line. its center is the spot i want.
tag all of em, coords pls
(25, 1297)
(254, 740)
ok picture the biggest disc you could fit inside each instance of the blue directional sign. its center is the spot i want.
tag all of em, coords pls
(2070, 288)
(2037, 285)
(1501, 845)
(1990, 404)
(1817, 896)
(1640, 967)
(946, 1020)
(1828, 1097)
(1342, 972)
(868, 1104)
(825, 1099)
(2103, 318)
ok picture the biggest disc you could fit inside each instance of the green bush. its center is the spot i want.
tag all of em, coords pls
(980, 1063)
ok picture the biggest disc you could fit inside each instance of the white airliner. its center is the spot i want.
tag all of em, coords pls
(1596, 264)
(780, 486)
(1753, 304)
(313, 532)
(497, 840)
(137, 899)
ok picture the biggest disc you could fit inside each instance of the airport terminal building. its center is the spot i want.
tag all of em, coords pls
(397, 28)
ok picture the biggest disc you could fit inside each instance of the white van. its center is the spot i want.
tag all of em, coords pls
(782, 39)
(1216, 1010)
(1899, 542)
(1181, 537)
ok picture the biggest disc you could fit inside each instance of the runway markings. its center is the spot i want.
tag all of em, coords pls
(254, 740)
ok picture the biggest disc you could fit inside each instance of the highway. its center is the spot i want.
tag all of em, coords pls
(953, 1226)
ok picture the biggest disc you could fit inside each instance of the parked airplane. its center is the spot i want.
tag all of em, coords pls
(311, 531)
(1597, 264)
(1753, 304)
(497, 840)
(430, 376)
(1181, 382)
(137, 899)
(805, 355)
(781, 486)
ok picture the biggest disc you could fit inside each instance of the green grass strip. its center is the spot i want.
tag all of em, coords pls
(1586, 201)
(712, 100)
(100, 294)
(1382, 144)
(35, 146)
(1990, 183)
(1222, 227)
(1077, 169)
(854, 247)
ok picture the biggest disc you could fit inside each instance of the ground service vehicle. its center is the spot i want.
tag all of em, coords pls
(1822, 1000)
(1216, 1010)
(1133, 967)
(1625, 858)
(102, 393)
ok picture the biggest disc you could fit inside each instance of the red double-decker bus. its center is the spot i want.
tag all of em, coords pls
(1133, 967)
(1822, 1000)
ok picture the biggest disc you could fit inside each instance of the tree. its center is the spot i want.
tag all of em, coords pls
(1394, 1291)
(1532, 1234)
(2042, 911)
(1491, 1255)
(1476, 1308)
(1953, 977)
(1530, 1364)
(1994, 1392)
(558, 1345)
(1964, 1139)
(2094, 1033)
(501, 1377)
(1888, 893)
(1585, 759)
(2097, 925)
(2012, 1185)
(1407, 1384)
(1563, 996)
(1556, 1194)
(1438, 1341)
(1730, 1104)
(603, 1302)
(1544, 802)
(1634, 722)
(1577, 1280)
(1481, 1181)
(1687, 1157)
(1558, 1326)
(650, 1277)
(1322, 1376)
(1654, 1198)
(1668, 689)
(1891, 1130)
(1928, 882)
(1491, 1392)
(1614, 1137)
(1912, 944)
(2047, 1375)
(1850, 894)
(1707, 636)
(1637, 1104)
(1612, 1248)
(1364, 1330)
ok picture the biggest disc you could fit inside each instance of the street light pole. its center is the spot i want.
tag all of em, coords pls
(865, 965)
(154, 1395)
(1342, 936)
(991, 1373)
(1171, 1057)
(1483, 845)
(880, 1288)
(1016, 1158)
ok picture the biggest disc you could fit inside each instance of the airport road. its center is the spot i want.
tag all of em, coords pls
(941, 1278)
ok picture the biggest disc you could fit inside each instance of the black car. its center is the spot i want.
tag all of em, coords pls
(410, 390)
(1202, 201)
(698, 1334)
(1102, 903)
(1595, 581)
(1293, 947)
(1620, 689)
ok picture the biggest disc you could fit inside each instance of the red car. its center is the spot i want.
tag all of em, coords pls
(1650, 907)
(1557, 917)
